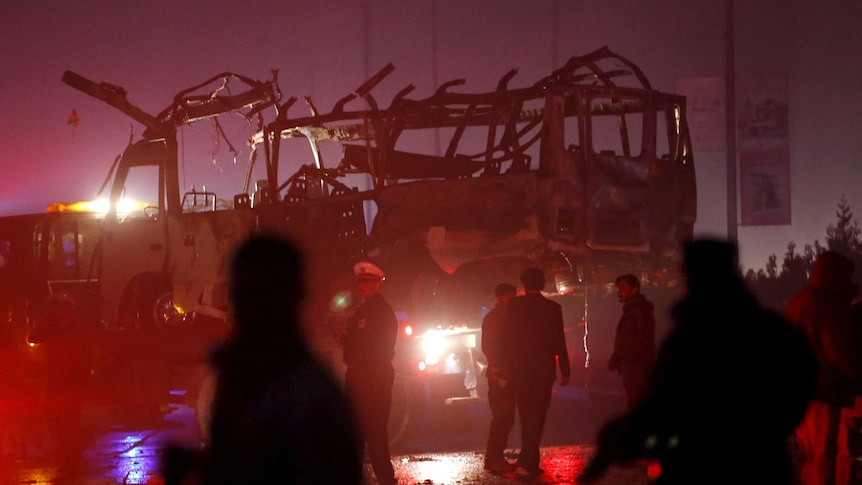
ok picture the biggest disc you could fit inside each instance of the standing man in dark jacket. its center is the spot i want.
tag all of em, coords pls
(501, 399)
(369, 347)
(634, 346)
(534, 343)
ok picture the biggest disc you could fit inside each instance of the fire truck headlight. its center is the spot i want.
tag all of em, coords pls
(433, 346)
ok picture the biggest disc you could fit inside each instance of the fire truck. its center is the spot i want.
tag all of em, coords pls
(587, 173)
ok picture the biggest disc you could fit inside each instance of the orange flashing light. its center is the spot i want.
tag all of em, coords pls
(99, 206)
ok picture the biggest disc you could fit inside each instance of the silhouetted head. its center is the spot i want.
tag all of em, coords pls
(710, 263)
(630, 280)
(833, 271)
(504, 289)
(266, 283)
(533, 279)
(628, 287)
(504, 292)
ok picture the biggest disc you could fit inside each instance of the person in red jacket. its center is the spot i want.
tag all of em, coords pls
(822, 311)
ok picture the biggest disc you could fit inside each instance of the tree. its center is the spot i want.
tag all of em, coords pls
(774, 288)
(844, 237)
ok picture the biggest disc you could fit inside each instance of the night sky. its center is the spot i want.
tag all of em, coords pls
(325, 50)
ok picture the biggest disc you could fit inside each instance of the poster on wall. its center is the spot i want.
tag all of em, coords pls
(763, 110)
(764, 180)
(705, 112)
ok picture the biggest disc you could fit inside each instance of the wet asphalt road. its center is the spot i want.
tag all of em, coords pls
(441, 445)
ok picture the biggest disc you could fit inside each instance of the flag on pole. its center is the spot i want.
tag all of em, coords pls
(73, 119)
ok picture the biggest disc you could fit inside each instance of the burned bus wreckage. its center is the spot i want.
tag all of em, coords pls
(587, 173)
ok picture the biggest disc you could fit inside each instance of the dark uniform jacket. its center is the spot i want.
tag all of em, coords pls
(492, 331)
(369, 341)
(635, 337)
(533, 339)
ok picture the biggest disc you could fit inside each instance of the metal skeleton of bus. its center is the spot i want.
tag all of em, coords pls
(585, 172)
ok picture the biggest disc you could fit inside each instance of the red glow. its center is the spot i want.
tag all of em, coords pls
(653, 470)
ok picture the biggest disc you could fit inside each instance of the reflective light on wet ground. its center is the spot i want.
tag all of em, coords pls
(441, 450)
(561, 465)
(128, 457)
(42, 476)
(437, 469)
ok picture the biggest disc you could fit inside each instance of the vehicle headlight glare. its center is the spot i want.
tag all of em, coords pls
(433, 345)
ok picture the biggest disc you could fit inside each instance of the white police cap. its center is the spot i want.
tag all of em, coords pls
(366, 270)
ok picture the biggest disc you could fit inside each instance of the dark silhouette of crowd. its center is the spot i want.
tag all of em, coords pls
(732, 387)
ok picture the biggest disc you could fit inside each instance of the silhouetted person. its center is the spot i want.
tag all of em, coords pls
(730, 383)
(278, 416)
(65, 345)
(501, 398)
(822, 311)
(854, 416)
(369, 347)
(634, 341)
(12, 395)
(534, 344)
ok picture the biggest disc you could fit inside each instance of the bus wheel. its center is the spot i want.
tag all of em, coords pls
(164, 312)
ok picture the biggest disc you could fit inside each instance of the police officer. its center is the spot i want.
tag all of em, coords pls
(369, 347)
